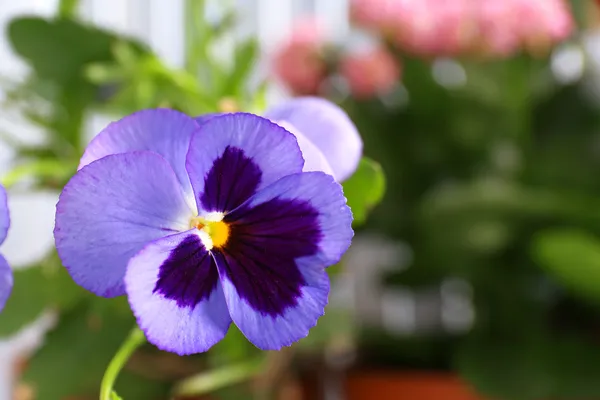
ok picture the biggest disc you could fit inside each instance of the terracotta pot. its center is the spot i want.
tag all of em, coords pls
(407, 386)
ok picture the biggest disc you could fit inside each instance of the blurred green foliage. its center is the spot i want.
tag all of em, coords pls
(573, 257)
(37, 289)
(495, 182)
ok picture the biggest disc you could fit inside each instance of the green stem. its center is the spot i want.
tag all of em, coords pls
(135, 339)
(217, 379)
(195, 32)
(68, 8)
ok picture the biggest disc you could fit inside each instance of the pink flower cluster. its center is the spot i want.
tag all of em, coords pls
(427, 28)
(370, 73)
(302, 66)
(466, 27)
(300, 61)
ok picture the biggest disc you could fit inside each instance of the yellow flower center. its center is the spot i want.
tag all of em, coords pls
(215, 229)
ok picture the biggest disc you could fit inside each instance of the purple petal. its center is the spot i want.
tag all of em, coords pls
(110, 210)
(233, 156)
(174, 292)
(272, 267)
(189, 274)
(201, 119)
(4, 215)
(274, 331)
(6, 281)
(233, 179)
(166, 132)
(328, 127)
(315, 189)
(314, 160)
(262, 249)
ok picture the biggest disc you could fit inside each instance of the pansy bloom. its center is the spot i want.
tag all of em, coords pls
(201, 223)
(6, 277)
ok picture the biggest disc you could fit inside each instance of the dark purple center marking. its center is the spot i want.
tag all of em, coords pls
(233, 179)
(264, 242)
(189, 275)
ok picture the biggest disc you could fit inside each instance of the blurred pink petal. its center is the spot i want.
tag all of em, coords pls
(417, 28)
(377, 15)
(544, 22)
(371, 73)
(299, 62)
(496, 23)
(463, 27)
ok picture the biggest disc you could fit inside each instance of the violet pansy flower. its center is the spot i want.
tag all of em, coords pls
(6, 276)
(327, 137)
(204, 224)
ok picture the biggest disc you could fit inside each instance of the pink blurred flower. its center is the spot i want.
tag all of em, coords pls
(465, 27)
(456, 28)
(544, 22)
(368, 74)
(448, 30)
(415, 28)
(496, 25)
(378, 15)
(299, 61)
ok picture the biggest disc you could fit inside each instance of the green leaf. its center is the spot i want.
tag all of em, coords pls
(125, 54)
(36, 289)
(572, 256)
(115, 396)
(59, 49)
(365, 189)
(103, 73)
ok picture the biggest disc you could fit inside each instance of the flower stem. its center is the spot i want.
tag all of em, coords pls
(135, 339)
(195, 30)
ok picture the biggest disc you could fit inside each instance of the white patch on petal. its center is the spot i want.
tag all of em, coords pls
(214, 216)
(206, 239)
